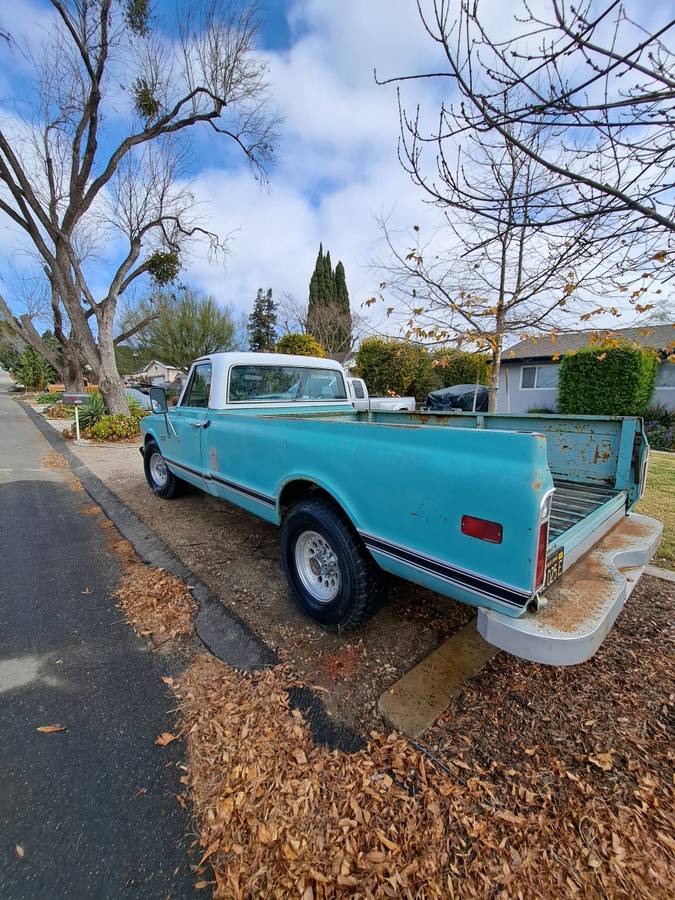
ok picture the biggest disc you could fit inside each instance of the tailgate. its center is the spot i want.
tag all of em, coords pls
(581, 606)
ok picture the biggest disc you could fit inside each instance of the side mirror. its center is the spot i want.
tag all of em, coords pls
(158, 400)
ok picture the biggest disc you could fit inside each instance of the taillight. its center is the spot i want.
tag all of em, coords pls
(482, 529)
(542, 547)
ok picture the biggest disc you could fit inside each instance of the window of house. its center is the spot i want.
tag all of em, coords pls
(199, 388)
(539, 377)
(665, 376)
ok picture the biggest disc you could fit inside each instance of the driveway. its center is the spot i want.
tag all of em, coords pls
(89, 811)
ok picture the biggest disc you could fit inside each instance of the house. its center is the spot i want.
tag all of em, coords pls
(157, 372)
(529, 372)
(347, 360)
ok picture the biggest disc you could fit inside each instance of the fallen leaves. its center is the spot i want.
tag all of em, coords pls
(512, 800)
(50, 729)
(155, 603)
(165, 738)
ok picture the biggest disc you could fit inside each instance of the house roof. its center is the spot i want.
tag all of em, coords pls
(658, 337)
(157, 362)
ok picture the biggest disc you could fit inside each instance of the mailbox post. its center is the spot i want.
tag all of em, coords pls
(76, 400)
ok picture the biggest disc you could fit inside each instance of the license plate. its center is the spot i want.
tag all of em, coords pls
(554, 567)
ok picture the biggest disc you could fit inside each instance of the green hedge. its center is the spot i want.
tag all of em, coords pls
(300, 345)
(397, 367)
(455, 367)
(607, 381)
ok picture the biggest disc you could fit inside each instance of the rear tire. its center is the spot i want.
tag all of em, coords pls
(158, 475)
(333, 578)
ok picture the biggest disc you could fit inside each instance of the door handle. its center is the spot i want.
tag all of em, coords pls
(200, 424)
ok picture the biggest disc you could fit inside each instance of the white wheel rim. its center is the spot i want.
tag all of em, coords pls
(158, 470)
(317, 565)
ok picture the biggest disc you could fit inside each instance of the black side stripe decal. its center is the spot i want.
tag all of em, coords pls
(231, 485)
(491, 589)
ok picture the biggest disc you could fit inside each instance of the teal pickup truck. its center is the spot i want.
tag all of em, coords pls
(527, 518)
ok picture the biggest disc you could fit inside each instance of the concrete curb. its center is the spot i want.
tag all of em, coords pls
(663, 574)
(221, 632)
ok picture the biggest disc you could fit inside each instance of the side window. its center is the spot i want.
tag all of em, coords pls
(547, 377)
(527, 377)
(199, 388)
(358, 389)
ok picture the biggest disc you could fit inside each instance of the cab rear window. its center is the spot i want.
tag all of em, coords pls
(284, 384)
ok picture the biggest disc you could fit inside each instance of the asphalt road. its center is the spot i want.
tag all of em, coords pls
(92, 808)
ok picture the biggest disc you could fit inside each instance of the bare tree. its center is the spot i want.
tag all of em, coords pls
(69, 175)
(494, 269)
(599, 81)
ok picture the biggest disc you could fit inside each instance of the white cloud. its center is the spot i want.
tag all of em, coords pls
(337, 166)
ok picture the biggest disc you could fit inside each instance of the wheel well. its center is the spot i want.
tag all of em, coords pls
(300, 490)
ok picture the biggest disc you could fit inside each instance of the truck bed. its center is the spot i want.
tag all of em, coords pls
(574, 501)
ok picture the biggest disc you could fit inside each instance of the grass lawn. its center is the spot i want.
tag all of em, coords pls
(659, 501)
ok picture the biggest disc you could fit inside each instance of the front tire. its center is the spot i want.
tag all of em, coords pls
(333, 578)
(158, 475)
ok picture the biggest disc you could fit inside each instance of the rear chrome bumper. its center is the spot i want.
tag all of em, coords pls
(583, 605)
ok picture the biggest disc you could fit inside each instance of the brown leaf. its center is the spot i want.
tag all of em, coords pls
(602, 761)
(165, 738)
(50, 729)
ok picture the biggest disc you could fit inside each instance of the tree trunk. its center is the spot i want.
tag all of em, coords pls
(494, 374)
(73, 376)
(110, 383)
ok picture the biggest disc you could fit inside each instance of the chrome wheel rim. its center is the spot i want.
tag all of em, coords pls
(317, 566)
(158, 470)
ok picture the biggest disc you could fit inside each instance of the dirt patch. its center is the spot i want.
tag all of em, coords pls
(537, 783)
(90, 509)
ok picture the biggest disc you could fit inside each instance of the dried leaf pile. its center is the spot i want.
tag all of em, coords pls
(573, 797)
(155, 603)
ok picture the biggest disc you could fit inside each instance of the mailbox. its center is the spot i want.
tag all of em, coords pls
(71, 398)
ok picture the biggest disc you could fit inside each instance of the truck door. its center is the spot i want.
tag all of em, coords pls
(189, 419)
(359, 393)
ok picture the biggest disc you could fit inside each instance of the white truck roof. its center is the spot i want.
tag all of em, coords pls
(223, 362)
(238, 358)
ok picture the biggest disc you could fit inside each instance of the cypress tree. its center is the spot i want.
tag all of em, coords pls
(328, 313)
(341, 292)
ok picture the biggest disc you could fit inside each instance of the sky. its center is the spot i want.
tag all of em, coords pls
(336, 171)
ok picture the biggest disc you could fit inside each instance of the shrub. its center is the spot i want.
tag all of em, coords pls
(300, 345)
(660, 437)
(456, 367)
(607, 381)
(59, 411)
(541, 410)
(117, 427)
(660, 414)
(33, 370)
(48, 398)
(9, 356)
(92, 411)
(395, 367)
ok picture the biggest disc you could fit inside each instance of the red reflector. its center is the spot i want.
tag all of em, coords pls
(482, 529)
(542, 547)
